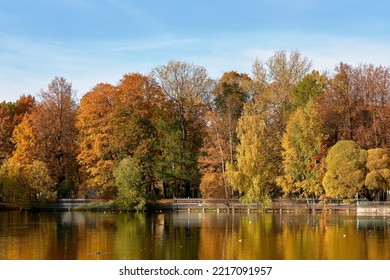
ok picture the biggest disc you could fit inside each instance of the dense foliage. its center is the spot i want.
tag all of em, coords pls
(283, 129)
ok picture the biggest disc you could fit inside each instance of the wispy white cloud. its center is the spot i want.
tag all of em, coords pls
(28, 64)
(324, 50)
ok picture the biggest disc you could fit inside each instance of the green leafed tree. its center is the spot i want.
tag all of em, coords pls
(303, 149)
(345, 175)
(128, 179)
(308, 89)
(186, 88)
(177, 166)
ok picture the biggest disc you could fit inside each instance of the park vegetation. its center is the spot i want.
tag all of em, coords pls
(282, 130)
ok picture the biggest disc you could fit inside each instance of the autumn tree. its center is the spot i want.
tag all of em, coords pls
(5, 132)
(345, 175)
(135, 113)
(48, 133)
(26, 142)
(263, 122)
(214, 185)
(303, 141)
(253, 175)
(96, 158)
(26, 185)
(24, 105)
(116, 122)
(303, 149)
(55, 119)
(213, 159)
(285, 69)
(42, 186)
(230, 94)
(356, 106)
(275, 80)
(13, 185)
(378, 173)
(11, 115)
(185, 87)
(219, 145)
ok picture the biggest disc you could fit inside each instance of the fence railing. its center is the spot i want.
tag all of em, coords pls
(276, 204)
(366, 203)
(204, 200)
(77, 200)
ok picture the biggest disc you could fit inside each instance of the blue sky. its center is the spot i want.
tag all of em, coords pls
(89, 42)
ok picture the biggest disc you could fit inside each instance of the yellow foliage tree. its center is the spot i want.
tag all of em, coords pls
(25, 142)
(303, 149)
(378, 177)
(260, 129)
(26, 185)
(253, 175)
(345, 173)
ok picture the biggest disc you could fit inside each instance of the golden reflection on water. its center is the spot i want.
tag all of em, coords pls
(195, 235)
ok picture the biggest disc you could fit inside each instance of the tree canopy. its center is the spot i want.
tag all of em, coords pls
(303, 148)
(345, 173)
(283, 129)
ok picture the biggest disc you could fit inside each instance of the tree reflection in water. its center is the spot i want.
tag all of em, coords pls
(194, 235)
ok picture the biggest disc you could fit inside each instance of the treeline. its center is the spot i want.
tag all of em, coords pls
(285, 129)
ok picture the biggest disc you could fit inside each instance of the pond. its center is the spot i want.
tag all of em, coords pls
(192, 236)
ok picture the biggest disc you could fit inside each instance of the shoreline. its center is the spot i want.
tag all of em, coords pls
(170, 206)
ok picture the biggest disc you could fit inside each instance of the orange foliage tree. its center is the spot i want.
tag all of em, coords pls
(48, 133)
(116, 122)
(11, 115)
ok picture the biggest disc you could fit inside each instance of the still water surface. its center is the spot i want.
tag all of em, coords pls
(187, 236)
